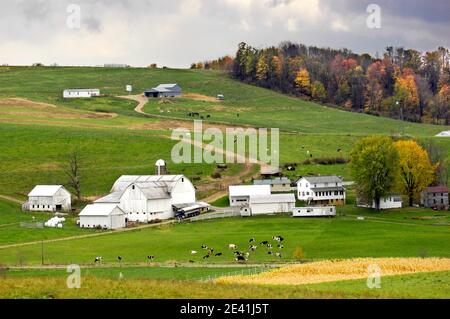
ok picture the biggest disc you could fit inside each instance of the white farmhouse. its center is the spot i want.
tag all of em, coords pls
(321, 190)
(80, 93)
(240, 195)
(387, 202)
(104, 216)
(151, 197)
(269, 204)
(48, 198)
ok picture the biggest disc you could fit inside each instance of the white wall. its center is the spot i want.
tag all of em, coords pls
(115, 220)
(183, 192)
(269, 208)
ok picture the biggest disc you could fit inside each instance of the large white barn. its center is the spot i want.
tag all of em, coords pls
(48, 198)
(150, 197)
(104, 216)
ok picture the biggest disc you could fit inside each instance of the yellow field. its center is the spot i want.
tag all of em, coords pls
(336, 270)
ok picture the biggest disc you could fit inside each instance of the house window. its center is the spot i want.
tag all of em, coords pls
(133, 187)
(182, 179)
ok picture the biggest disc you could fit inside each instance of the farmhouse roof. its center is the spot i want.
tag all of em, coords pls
(436, 189)
(100, 210)
(248, 190)
(45, 190)
(323, 179)
(276, 181)
(273, 198)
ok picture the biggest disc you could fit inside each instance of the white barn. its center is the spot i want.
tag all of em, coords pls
(151, 197)
(48, 198)
(387, 202)
(105, 216)
(319, 211)
(269, 204)
(80, 93)
(240, 195)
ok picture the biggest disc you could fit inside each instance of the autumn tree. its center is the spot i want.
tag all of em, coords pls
(407, 95)
(262, 68)
(303, 82)
(416, 171)
(374, 167)
(374, 86)
(318, 91)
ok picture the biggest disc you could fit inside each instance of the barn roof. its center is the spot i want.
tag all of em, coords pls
(45, 190)
(100, 210)
(154, 190)
(111, 198)
(273, 198)
(124, 181)
(248, 190)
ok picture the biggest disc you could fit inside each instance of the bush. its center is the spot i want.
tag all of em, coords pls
(325, 161)
(298, 253)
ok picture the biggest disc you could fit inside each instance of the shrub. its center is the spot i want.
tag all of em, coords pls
(298, 253)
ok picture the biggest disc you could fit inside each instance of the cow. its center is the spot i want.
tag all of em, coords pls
(252, 240)
(232, 246)
(204, 247)
(240, 258)
(278, 255)
(98, 259)
(206, 257)
(252, 247)
(218, 254)
(151, 257)
(119, 258)
(265, 242)
(193, 252)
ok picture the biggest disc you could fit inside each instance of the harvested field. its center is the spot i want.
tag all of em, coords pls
(200, 97)
(338, 270)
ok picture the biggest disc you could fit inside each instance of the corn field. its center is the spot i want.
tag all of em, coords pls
(336, 270)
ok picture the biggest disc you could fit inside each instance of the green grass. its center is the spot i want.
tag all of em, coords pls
(341, 237)
(221, 202)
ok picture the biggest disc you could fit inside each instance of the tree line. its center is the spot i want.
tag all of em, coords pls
(404, 83)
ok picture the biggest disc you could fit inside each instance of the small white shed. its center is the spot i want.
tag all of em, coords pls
(240, 195)
(80, 93)
(269, 204)
(48, 198)
(387, 202)
(319, 211)
(105, 216)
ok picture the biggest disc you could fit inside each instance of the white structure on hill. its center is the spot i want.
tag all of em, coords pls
(104, 216)
(161, 167)
(240, 195)
(319, 211)
(388, 202)
(444, 134)
(151, 197)
(321, 190)
(48, 198)
(269, 204)
(164, 90)
(80, 93)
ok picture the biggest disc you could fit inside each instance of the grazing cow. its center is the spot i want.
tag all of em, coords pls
(151, 257)
(264, 242)
(240, 258)
(252, 247)
(193, 252)
(270, 253)
(269, 246)
(191, 261)
(119, 258)
(252, 240)
(280, 246)
(218, 254)
(278, 238)
(206, 257)
(204, 247)
(98, 259)
(278, 255)
(232, 246)
(339, 149)
(210, 251)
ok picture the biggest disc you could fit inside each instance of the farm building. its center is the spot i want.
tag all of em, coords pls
(80, 93)
(268, 204)
(387, 202)
(280, 184)
(48, 198)
(319, 211)
(321, 190)
(443, 134)
(148, 198)
(269, 171)
(164, 90)
(105, 216)
(435, 197)
(240, 195)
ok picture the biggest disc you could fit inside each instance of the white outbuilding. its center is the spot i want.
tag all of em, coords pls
(443, 134)
(48, 198)
(387, 202)
(80, 93)
(104, 216)
(240, 195)
(317, 211)
(269, 204)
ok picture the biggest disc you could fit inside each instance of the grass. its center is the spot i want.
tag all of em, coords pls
(341, 237)
(221, 202)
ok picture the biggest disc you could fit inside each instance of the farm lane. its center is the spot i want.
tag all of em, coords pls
(11, 199)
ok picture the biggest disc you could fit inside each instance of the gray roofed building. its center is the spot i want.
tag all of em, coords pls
(164, 90)
(281, 184)
(323, 179)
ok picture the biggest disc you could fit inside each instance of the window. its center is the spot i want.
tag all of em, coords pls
(182, 179)
(133, 187)
(307, 193)
(33, 206)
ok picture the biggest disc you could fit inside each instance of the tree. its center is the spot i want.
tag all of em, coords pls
(416, 170)
(438, 158)
(262, 69)
(407, 95)
(72, 171)
(318, 91)
(374, 87)
(374, 167)
(303, 82)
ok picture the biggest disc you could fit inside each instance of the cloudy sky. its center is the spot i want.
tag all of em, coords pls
(178, 32)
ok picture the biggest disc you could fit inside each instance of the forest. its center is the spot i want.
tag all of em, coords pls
(404, 83)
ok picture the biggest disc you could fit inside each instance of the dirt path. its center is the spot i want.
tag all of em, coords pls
(11, 199)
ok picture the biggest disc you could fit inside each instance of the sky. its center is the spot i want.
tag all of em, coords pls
(175, 33)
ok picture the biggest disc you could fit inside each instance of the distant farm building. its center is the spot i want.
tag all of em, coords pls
(220, 97)
(104, 216)
(48, 198)
(319, 211)
(269, 171)
(435, 197)
(80, 93)
(164, 90)
(321, 190)
(281, 184)
(240, 195)
(444, 134)
(115, 65)
(268, 204)
(387, 202)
